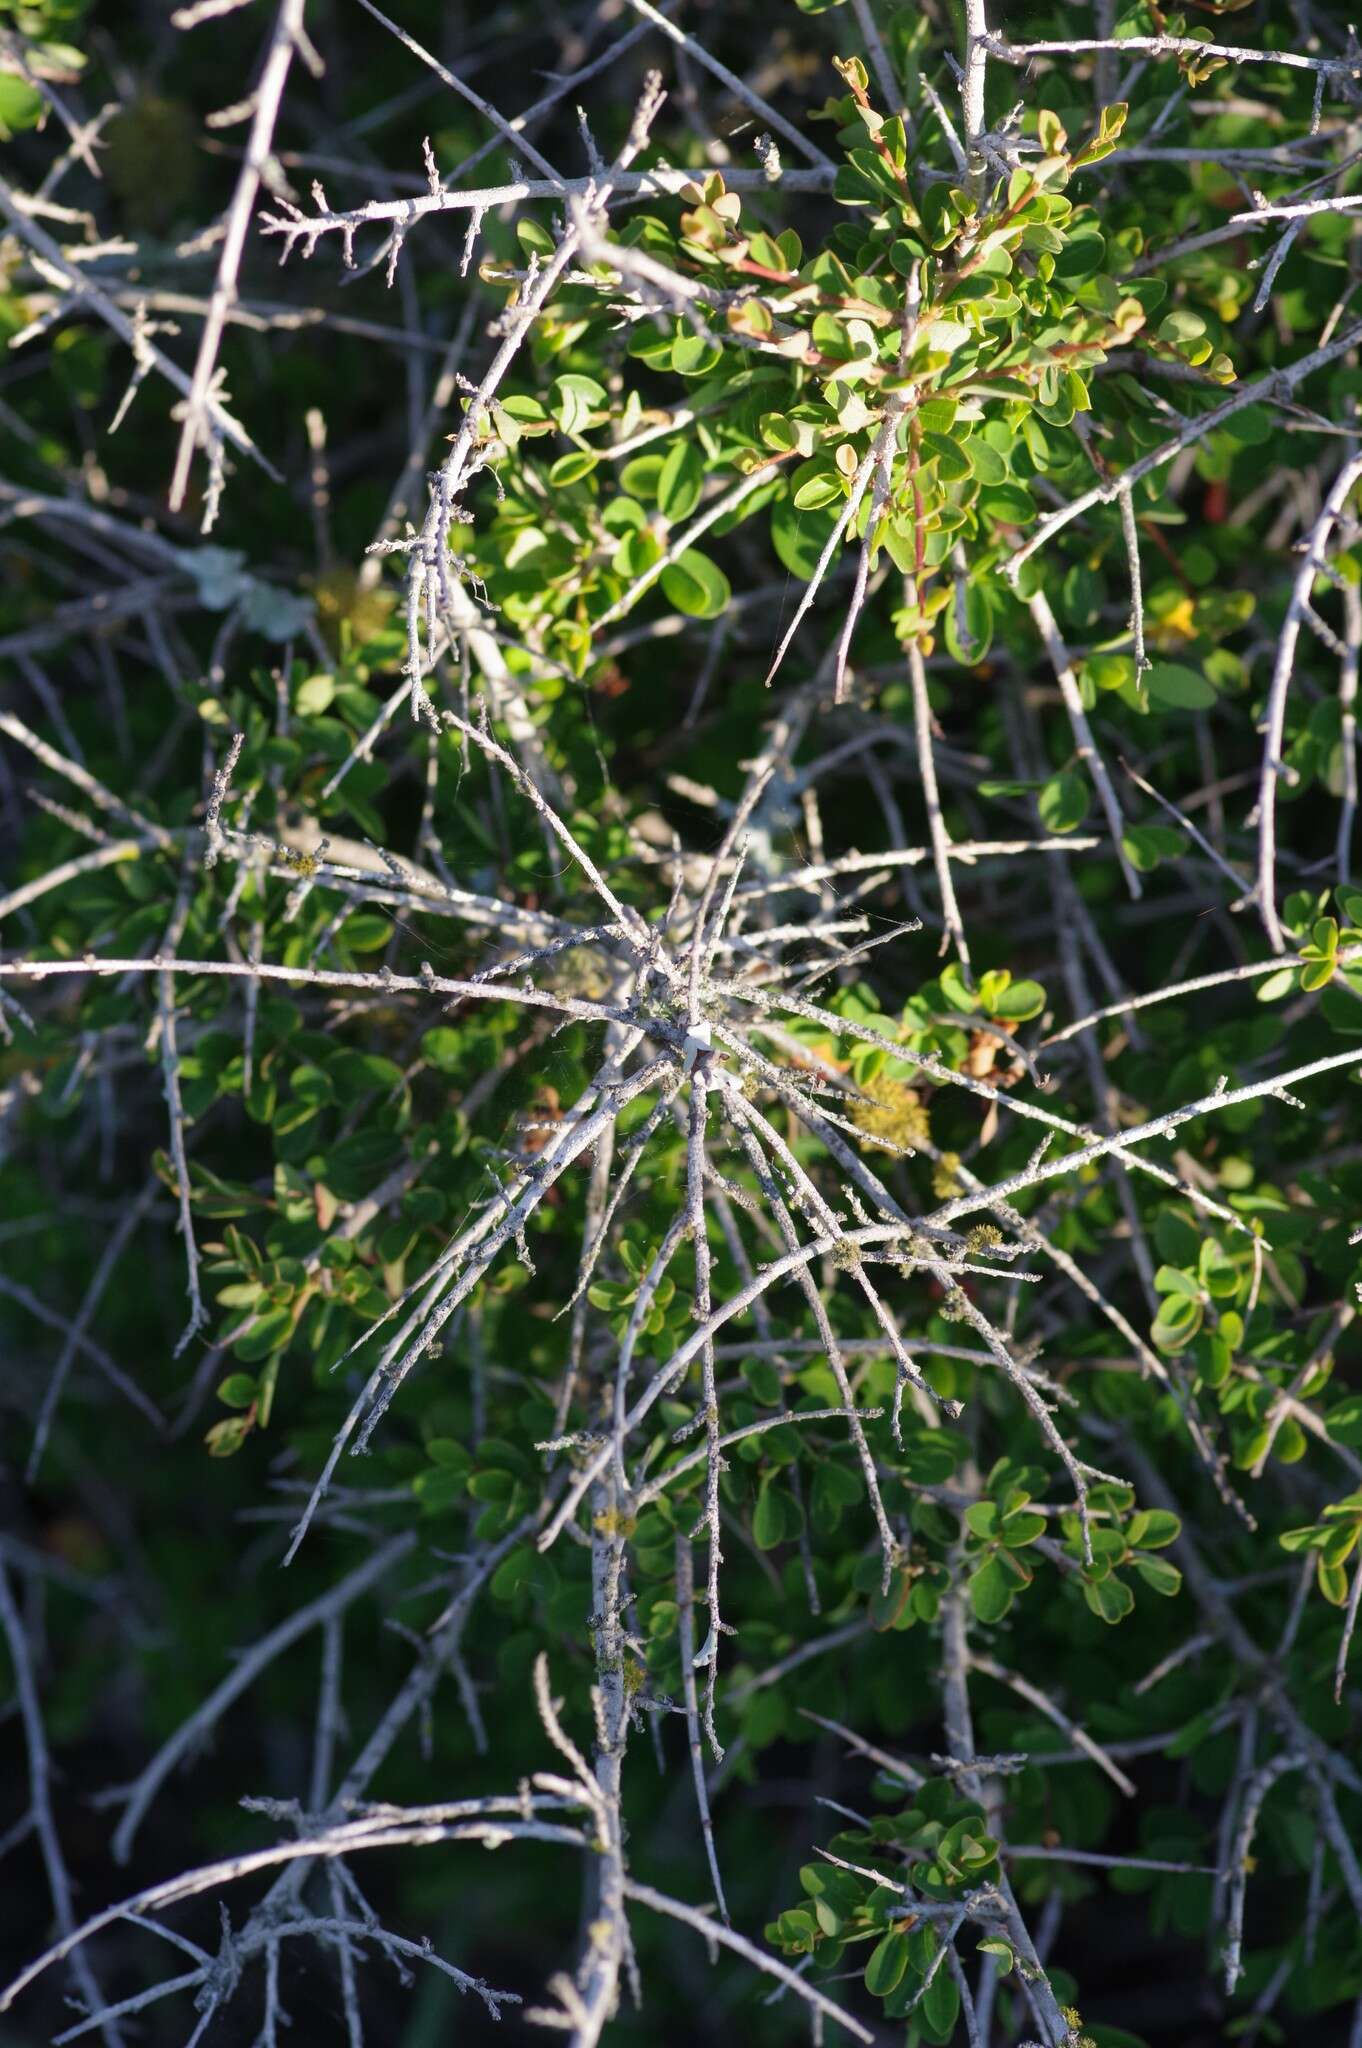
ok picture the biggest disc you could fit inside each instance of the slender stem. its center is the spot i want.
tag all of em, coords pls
(283, 46)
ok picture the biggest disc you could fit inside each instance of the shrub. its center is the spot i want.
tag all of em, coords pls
(757, 1014)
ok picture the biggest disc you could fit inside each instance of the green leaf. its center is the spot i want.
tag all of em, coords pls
(696, 586)
(778, 432)
(888, 1961)
(990, 466)
(1009, 504)
(445, 1450)
(796, 1930)
(314, 696)
(1018, 1003)
(680, 481)
(799, 537)
(21, 105)
(1146, 845)
(641, 476)
(968, 642)
(990, 1592)
(1083, 254)
(512, 1573)
(533, 238)
(525, 411)
(1159, 1575)
(440, 1488)
(575, 398)
(1109, 671)
(366, 931)
(764, 1381)
(822, 487)
(952, 462)
(1110, 1599)
(1185, 689)
(1333, 1581)
(1344, 1420)
(1177, 1322)
(492, 1485)
(639, 551)
(693, 356)
(1340, 1543)
(768, 1518)
(269, 1332)
(225, 1438)
(830, 337)
(1063, 802)
(954, 988)
(443, 1046)
(1182, 325)
(939, 2007)
(1152, 1529)
(570, 469)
